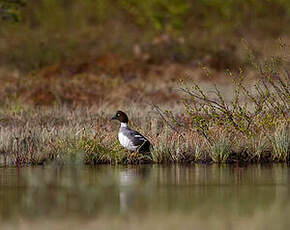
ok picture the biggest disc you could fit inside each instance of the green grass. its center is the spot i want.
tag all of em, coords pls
(220, 151)
(281, 142)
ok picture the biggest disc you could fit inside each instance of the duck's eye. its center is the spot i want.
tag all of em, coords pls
(118, 114)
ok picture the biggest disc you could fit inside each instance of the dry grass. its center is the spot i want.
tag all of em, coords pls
(62, 114)
(110, 79)
(31, 136)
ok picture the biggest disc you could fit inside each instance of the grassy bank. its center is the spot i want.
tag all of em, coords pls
(87, 136)
(223, 120)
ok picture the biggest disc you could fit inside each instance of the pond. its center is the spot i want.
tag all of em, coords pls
(236, 196)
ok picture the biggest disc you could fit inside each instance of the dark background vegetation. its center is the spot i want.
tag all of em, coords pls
(78, 51)
(156, 31)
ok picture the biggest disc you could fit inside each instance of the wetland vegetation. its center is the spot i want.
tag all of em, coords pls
(198, 99)
(199, 124)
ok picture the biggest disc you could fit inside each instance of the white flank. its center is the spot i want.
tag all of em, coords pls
(125, 141)
(140, 137)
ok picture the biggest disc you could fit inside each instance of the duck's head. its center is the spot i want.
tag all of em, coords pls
(120, 116)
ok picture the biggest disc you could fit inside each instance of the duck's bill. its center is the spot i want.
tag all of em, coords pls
(114, 118)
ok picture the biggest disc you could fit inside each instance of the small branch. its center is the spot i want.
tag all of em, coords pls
(159, 111)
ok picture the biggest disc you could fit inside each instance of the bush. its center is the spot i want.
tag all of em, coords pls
(257, 110)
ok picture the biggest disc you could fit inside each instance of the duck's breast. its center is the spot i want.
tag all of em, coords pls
(126, 142)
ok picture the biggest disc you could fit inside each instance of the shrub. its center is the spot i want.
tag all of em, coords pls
(255, 110)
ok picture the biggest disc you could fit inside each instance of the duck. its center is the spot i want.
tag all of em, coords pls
(129, 138)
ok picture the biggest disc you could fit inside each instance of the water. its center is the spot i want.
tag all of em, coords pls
(86, 192)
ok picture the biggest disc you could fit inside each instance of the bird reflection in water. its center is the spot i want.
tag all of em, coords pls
(129, 179)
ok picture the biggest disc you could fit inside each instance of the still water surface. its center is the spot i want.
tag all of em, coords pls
(55, 191)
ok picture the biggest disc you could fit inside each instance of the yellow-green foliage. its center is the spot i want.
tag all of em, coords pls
(281, 142)
(220, 151)
(257, 113)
